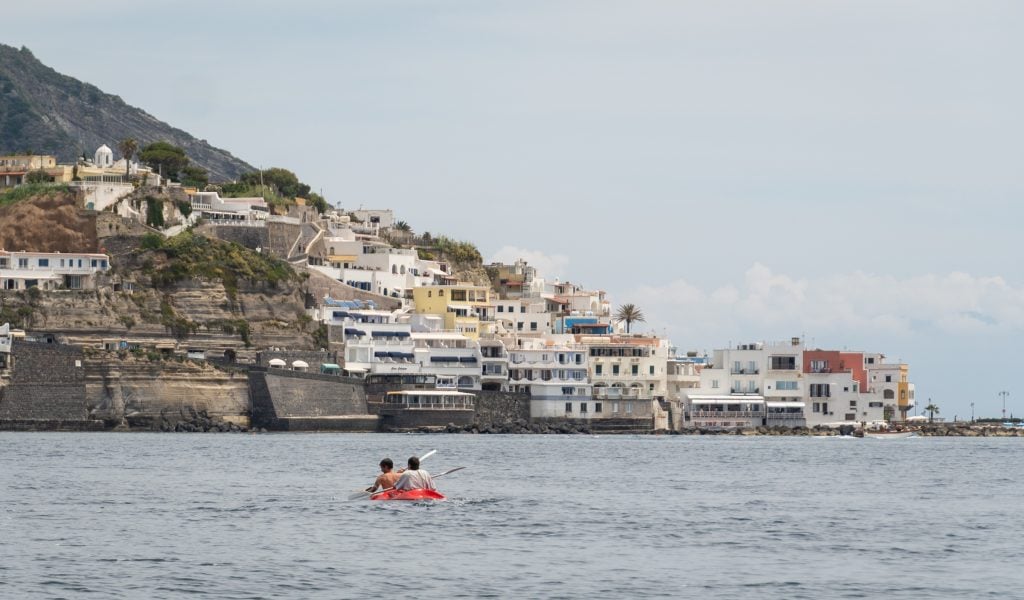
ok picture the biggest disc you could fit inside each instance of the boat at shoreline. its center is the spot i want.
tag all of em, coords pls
(890, 435)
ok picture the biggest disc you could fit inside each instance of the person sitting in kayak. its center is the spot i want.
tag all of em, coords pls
(387, 478)
(415, 478)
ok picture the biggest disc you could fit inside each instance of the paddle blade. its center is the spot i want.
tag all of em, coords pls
(358, 495)
(428, 455)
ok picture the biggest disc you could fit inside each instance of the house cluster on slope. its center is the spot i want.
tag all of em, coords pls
(561, 344)
(557, 342)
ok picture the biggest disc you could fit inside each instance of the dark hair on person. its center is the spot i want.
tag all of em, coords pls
(414, 463)
(387, 462)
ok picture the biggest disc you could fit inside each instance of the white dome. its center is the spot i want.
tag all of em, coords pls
(300, 364)
(104, 156)
(277, 362)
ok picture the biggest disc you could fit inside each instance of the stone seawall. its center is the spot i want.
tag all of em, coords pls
(47, 385)
(291, 401)
(499, 407)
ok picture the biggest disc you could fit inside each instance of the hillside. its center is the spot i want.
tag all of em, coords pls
(46, 112)
(46, 220)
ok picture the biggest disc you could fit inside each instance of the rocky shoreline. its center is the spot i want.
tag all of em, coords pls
(523, 427)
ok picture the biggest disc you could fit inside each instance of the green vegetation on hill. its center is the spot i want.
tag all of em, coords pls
(30, 190)
(194, 256)
(462, 253)
(279, 187)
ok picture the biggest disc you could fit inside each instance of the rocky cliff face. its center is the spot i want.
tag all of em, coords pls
(46, 112)
(144, 394)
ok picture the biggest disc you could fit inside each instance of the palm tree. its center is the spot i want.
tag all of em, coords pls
(629, 313)
(128, 146)
(402, 226)
(932, 410)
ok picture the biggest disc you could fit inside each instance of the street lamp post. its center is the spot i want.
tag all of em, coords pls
(972, 413)
(1003, 394)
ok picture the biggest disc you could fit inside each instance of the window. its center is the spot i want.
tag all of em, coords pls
(597, 407)
(783, 363)
(871, 360)
(816, 407)
(533, 326)
(501, 308)
(752, 387)
(583, 407)
(874, 405)
(820, 390)
(44, 262)
(846, 388)
(819, 366)
(615, 407)
(736, 368)
(95, 263)
(650, 386)
(714, 383)
(853, 404)
(430, 294)
(567, 391)
(635, 370)
(522, 309)
(568, 407)
(598, 369)
(629, 407)
(23, 263)
(785, 385)
(615, 369)
(519, 326)
(652, 369)
(888, 378)
(440, 293)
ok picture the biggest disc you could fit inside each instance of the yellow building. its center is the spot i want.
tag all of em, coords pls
(466, 308)
(15, 167)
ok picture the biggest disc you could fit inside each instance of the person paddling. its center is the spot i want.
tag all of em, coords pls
(415, 478)
(387, 478)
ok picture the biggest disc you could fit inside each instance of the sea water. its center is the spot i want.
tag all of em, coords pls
(268, 516)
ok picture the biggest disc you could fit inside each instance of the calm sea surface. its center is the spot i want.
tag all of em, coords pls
(267, 516)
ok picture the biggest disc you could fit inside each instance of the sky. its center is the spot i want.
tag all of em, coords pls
(849, 172)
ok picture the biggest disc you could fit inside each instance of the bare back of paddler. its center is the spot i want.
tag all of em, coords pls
(387, 478)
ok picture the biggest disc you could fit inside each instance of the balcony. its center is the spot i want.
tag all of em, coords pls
(726, 414)
(745, 371)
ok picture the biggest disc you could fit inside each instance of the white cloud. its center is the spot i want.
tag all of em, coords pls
(548, 266)
(769, 305)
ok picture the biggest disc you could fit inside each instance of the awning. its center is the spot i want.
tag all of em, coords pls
(300, 364)
(277, 362)
(444, 359)
(771, 404)
(467, 359)
(329, 366)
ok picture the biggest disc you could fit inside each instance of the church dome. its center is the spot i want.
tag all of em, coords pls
(104, 156)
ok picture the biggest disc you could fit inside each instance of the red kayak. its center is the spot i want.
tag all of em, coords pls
(419, 494)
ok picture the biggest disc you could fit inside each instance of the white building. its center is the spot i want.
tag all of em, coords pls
(240, 211)
(555, 377)
(452, 357)
(524, 316)
(750, 385)
(375, 218)
(51, 270)
(494, 363)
